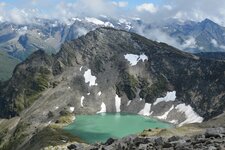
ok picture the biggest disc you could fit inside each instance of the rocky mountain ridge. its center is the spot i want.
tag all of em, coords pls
(19, 41)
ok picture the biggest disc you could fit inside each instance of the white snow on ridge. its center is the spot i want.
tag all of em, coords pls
(103, 108)
(82, 101)
(170, 96)
(72, 109)
(89, 78)
(146, 110)
(94, 21)
(164, 116)
(99, 93)
(24, 28)
(174, 121)
(134, 59)
(76, 19)
(99, 22)
(108, 24)
(128, 103)
(81, 68)
(127, 24)
(117, 103)
(143, 57)
(192, 117)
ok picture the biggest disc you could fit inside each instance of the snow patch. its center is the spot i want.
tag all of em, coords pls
(94, 21)
(88, 93)
(103, 108)
(170, 96)
(108, 24)
(117, 103)
(174, 121)
(73, 118)
(49, 122)
(56, 107)
(128, 103)
(24, 28)
(146, 110)
(127, 24)
(82, 101)
(99, 93)
(99, 22)
(164, 116)
(89, 78)
(191, 115)
(76, 19)
(134, 59)
(81, 68)
(141, 99)
(72, 109)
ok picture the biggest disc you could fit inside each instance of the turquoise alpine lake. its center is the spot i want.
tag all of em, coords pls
(100, 127)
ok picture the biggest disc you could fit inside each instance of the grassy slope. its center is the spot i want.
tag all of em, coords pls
(7, 65)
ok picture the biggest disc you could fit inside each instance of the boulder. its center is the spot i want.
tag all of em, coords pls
(215, 132)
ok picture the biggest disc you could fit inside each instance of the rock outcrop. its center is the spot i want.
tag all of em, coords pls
(213, 139)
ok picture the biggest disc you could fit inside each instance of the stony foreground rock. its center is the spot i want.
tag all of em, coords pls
(212, 139)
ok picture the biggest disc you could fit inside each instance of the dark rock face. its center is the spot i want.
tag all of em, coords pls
(181, 143)
(197, 81)
(212, 55)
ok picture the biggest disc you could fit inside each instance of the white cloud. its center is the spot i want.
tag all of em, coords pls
(214, 42)
(120, 3)
(189, 43)
(169, 7)
(216, 45)
(158, 35)
(2, 4)
(148, 7)
(18, 16)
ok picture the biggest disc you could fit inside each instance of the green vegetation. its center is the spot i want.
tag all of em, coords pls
(51, 136)
(7, 65)
(65, 119)
(32, 92)
(18, 136)
(3, 134)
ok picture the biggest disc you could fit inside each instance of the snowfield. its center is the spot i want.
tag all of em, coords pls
(134, 59)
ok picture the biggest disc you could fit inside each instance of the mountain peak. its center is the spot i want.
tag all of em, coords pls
(208, 21)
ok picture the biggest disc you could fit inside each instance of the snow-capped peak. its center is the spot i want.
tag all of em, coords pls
(98, 22)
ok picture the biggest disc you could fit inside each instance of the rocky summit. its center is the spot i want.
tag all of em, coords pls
(107, 70)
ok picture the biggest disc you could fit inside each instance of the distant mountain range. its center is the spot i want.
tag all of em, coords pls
(205, 36)
(19, 41)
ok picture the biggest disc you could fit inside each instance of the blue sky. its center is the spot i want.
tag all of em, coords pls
(132, 3)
